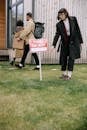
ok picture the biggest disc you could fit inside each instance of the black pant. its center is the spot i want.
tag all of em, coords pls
(67, 61)
(26, 50)
(67, 64)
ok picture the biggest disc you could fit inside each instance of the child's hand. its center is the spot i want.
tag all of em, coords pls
(18, 39)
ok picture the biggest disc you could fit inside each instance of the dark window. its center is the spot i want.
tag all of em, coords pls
(13, 2)
(20, 11)
(15, 13)
(13, 19)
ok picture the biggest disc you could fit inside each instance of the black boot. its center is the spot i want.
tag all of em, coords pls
(12, 62)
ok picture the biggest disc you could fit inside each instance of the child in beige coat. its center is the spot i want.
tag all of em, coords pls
(17, 49)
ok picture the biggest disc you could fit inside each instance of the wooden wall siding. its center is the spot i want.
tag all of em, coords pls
(2, 24)
(46, 11)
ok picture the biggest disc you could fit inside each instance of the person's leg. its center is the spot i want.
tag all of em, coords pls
(64, 57)
(25, 52)
(36, 60)
(64, 65)
(70, 67)
(12, 57)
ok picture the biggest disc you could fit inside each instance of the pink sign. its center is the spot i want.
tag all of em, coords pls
(38, 45)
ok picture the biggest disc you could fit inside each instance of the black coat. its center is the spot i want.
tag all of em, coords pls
(75, 38)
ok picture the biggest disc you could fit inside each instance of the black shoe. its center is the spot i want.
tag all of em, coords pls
(18, 66)
(67, 78)
(12, 63)
(23, 65)
(36, 68)
(63, 76)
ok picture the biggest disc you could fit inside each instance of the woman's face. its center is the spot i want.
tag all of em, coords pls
(62, 16)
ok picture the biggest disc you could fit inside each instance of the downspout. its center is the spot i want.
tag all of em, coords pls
(33, 7)
(8, 9)
(7, 22)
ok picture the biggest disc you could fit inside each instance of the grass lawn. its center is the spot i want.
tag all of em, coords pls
(26, 103)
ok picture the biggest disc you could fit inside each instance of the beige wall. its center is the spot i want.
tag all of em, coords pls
(27, 8)
(46, 11)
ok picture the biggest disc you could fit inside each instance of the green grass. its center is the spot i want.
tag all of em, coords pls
(26, 103)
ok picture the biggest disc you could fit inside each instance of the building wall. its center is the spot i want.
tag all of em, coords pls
(48, 12)
(2, 24)
(27, 8)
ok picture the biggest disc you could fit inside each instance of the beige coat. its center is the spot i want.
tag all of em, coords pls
(18, 44)
(28, 32)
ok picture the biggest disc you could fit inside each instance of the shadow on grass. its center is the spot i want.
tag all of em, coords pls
(83, 126)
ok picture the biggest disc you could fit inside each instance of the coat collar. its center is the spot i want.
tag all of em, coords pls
(70, 23)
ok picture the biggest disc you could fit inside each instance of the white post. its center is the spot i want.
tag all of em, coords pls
(40, 67)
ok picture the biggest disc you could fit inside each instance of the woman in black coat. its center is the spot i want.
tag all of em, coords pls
(70, 44)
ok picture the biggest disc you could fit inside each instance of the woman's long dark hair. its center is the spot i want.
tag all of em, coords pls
(63, 10)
